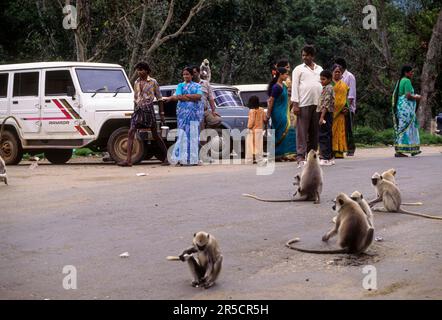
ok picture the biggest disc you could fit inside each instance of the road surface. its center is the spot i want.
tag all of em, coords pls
(86, 213)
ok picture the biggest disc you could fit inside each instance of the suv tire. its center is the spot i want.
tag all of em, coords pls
(10, 148)
(117, 146)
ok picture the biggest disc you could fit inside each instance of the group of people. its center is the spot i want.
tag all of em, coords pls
(323, 102)
(194, 99)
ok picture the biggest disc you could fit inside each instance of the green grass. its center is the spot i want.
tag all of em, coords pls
(83, 152)
(365, 136)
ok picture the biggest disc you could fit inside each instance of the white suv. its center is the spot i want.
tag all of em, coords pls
(65, 105)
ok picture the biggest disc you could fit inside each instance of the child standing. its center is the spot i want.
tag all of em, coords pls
(325, 112)
(254, 141)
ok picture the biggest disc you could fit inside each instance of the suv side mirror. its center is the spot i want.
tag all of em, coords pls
(71, 92)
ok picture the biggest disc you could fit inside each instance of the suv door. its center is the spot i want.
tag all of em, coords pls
(26, 100)
(4, 80)
(61, 113)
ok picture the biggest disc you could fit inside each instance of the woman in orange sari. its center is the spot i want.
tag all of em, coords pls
(341, 108)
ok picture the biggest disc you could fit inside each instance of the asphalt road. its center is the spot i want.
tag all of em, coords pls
(87, 213)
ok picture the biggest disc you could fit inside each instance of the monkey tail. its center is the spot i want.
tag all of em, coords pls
(3, 125)
(412, 204)
(288, 245)
(173, 258)
(417, 214)
(265, 200)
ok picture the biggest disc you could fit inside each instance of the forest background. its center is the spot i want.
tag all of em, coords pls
(242, 39)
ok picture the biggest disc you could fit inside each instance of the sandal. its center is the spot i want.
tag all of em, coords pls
(416, 153)
(125, 164)
(400, 155)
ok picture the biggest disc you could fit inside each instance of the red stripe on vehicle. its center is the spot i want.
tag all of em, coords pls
(81, 130)
(58, 104)
(44, 119)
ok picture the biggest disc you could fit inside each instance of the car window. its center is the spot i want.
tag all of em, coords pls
(57, 82)
(103, 80)
(227, 98)
(262, 95)
(169, 107)
(167, 92)
(4, 85)
(26, 84)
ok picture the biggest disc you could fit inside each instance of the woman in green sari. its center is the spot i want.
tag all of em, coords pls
(405, 122)
(279, 111)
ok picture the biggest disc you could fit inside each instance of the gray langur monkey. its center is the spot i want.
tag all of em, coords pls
(389, 175)
(359, 198)
(205, 71)
(309, 182)
(204, 259)
(390, 196)
(352, 227)
(3, 175)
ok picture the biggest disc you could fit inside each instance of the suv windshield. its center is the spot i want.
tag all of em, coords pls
(102, 80)
(227, 98)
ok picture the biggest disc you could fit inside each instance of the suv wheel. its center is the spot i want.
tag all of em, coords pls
(10, 148)
(117, 146)
(58, 156)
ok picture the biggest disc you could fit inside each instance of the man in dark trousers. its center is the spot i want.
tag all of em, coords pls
(306, 90)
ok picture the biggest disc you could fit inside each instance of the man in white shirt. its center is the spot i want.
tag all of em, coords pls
(306, 90)
(350, 80)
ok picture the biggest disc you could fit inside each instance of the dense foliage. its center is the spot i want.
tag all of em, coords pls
(241, 38)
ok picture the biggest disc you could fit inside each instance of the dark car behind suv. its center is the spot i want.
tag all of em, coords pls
(229, 106)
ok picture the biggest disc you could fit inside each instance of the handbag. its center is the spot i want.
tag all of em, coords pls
(211, 120)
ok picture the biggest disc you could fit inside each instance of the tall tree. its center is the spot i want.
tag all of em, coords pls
(430, 73)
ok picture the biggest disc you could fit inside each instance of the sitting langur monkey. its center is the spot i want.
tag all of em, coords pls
(309, 183)
(359, 198)
(3, 175)
(352, 227)
(389, 175)
(204, 259)
(390, 195)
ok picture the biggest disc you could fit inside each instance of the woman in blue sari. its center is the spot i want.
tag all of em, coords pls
(190, 111)
(279, 111)
(405, 122)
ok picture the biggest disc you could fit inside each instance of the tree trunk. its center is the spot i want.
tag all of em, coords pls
(138, 41)
(83, 31)
(429, 75)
